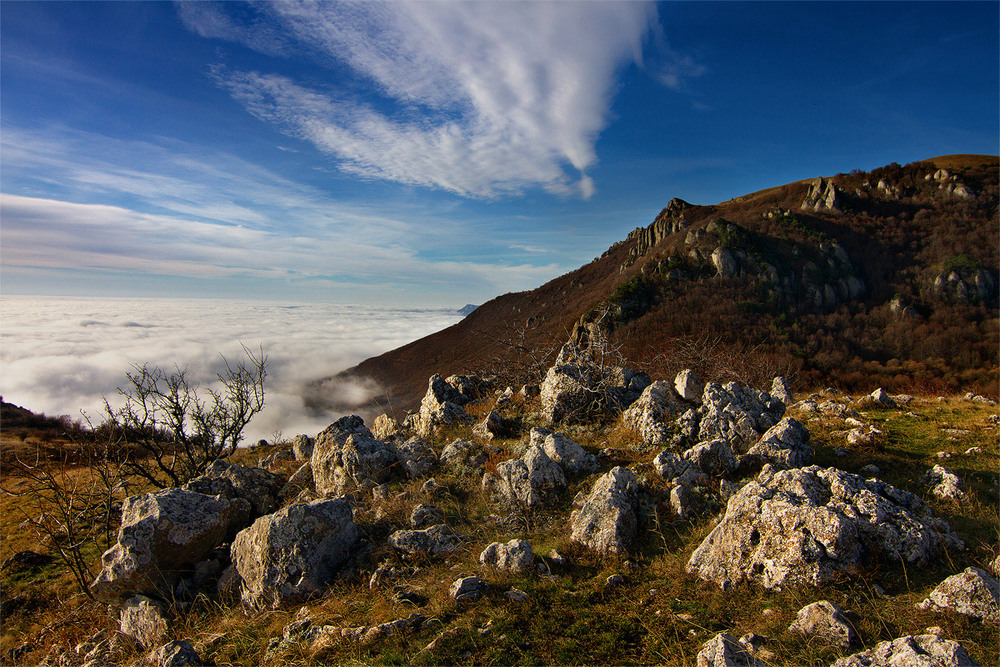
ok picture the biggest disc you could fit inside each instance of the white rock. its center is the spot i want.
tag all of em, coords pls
(607, 519)
(514, 556)
(911, 651)
(973, 592)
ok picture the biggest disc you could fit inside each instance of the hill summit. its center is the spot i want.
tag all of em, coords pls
(888, 277)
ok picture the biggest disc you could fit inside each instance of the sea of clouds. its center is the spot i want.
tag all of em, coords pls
(62, 356)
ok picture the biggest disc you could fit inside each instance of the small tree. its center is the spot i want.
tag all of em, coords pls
(176, 429)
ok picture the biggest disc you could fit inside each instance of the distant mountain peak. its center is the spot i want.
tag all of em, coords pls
(466, 309)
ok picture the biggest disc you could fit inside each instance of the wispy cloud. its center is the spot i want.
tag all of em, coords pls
(478, 98)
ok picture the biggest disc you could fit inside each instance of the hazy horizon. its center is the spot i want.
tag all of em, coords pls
(61, 356)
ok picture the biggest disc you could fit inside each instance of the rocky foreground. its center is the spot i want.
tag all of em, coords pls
(369, 511)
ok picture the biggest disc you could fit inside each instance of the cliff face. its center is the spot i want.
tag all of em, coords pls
(885, 277)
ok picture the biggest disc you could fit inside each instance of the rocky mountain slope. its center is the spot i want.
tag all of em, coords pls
(885, 277)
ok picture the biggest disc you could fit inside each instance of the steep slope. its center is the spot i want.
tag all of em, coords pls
(885, 277)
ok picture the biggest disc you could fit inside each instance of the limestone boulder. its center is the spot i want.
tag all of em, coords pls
(437, 540)
(725, 650)
(911, 651)
(574, 391)
(514, 556)
(257, 486)
(878, 399)
(416, 457)
(533, 480)
(145, 620)
(713, 457)
(607, 519)
(175, 654)
(571, 457)
(781, 391)
(164, 534)
(463, 454)
(423, 516)
(441, 405)
(825, 621)
(810, 525)
(300, 480)
(944, 484)
(293, 554)
(688, 386)
(347, 454)
(654, 412)
(302, 447)
(973, 592)
(784, 445)
(491, 427)
(468, 589)
(738, 414)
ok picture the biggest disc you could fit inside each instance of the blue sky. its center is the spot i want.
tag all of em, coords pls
(440, 153)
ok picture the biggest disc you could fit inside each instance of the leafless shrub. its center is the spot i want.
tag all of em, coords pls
(176, 429)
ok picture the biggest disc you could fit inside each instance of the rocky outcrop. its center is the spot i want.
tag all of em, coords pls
(737, 414)
(463, 454)
(725, 650)
(321, 637)
(825, 621)
(784, 445)
(491, 427)
(302, 447)
(713, 457)
(301, 480)
(781, 391)
(468, 589)
(514, 556)
(808, 525)
(534, 480)
(823, 195)
(293, 554)
(944, 484)
(416, 457)
(257, 486)
(175, 654)
(346, 454)
(974, 592)
(571, 457)
(437, 540)
(688, 387)
(423, 516)
(653, 413)
(441, 405)
(971, 285)
(607, 519)
(912, 651)
(575, 388)
(162, 535)
(145, 620)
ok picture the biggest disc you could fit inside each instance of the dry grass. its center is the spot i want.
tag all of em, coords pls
(661, 615)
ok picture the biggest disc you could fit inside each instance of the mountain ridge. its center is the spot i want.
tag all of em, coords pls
(820, 278)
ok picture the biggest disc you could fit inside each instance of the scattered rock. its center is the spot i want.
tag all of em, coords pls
(653, 413)
(714, 457)
(346, 454)
(176, 654)
(463, 453)
(575, 388)
(826, 621)
(516, 595)
(324, 636)
(145, 620)
(737, 414)
(533, 480)
(425, 515)
(491, 427)
(300, 480)
(878, 398)
(514, 556)
(416, 457)
(607, 519)
(434, 541)
(945, 485)
(467, 589)
(257, 486)
(570, 456)
(781, 391)
(441, 405)
(25, 558)
(973, 592)
(688, 387)
(783, 445)
(725, 650)
(161, 534)
(870, 470)
(293, 554)
(911, 650)
(809, 525)
(385, 427)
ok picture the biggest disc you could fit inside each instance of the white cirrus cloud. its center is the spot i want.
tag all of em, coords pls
(481, 99)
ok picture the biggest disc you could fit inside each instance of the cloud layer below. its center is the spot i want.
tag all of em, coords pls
(61, 356)
(482, 99)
